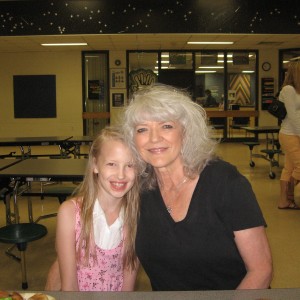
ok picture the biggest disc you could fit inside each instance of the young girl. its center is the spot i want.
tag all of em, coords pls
(96, 229)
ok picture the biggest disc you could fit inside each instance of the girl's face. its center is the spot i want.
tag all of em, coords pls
(159, 143)
(115, 169)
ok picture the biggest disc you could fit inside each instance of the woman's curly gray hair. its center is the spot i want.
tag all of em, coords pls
(166, 103)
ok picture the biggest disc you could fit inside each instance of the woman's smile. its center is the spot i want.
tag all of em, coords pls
(159, 143)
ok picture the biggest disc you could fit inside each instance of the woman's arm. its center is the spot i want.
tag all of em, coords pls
(130, 278)
(65, 246)
(255, 250)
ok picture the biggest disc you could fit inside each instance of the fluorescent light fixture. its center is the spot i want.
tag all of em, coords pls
(222, 55)
(163, 62)
(64, 44)
(245, 71)
(207, 71)
(210, 43)
(166, 67)
(222, 61)
(211, 67)
(295, 58)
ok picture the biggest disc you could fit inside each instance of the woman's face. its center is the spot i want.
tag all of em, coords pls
(115, 169)
(159, 143)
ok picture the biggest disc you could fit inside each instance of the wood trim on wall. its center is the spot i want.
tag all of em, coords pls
(232, 113)
(95, 115)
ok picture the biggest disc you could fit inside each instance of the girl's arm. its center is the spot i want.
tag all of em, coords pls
(130, 278)
(255, 251)
(53, 279)
(65, 246)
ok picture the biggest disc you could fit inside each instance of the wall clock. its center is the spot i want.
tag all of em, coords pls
(266, 66)
(117, 62)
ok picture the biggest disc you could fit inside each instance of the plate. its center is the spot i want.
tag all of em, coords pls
(28, 295)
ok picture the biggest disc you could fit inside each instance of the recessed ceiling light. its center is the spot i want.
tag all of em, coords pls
(64, 44)
(210, 43)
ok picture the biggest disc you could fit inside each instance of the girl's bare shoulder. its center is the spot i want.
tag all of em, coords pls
(70, 204)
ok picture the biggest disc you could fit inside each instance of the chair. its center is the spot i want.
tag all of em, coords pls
(238, 123)
(217, 123)
(57, 191)
(5, 194)
(21, 234)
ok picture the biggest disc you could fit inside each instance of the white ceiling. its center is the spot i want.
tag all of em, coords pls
(149, 42)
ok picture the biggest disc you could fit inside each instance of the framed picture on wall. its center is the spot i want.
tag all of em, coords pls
(93, 89)
(117, 78)
(118, 99)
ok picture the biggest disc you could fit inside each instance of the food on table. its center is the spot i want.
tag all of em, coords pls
(4, 295)
(10, 296)
(38, 297)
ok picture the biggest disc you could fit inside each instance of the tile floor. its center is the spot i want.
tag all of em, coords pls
(283, 229)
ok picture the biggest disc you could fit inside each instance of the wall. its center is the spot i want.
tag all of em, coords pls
(270, 56)
(67, 68)
(116, 112)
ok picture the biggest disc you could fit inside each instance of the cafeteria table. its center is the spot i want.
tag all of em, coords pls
(6, 163)
(29, 170)
(23, 142)
(67, 145)
(42, 170)
(5, 188)
(272, 146)
(262, 294)
(73, 144)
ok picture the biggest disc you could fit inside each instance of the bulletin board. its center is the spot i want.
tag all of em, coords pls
(34, 96)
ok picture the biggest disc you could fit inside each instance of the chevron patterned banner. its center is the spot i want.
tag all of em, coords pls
(241, 84)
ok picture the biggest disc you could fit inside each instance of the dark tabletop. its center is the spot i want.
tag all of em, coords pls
(54, 169)
(33, 141)
(5, 163)
(83, 138)
(262, 129)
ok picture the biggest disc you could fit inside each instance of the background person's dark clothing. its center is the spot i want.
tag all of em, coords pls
(210, 101)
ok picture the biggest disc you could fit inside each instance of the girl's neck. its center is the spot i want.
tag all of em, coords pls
(110, 205)
(111, 210)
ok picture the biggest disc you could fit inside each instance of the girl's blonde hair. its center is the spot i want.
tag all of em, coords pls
(292, 76)
(88, 192)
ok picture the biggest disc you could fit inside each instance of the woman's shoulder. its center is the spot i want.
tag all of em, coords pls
(288, 89)
(220, 165)
(220, 170)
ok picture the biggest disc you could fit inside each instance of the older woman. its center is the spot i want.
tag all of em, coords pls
(200, 225)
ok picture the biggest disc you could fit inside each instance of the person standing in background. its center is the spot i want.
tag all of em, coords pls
(289, 137)
(210, 101)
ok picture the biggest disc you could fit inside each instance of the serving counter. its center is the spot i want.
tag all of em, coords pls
(270, 294)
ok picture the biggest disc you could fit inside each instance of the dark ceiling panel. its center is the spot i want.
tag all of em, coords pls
(153, 16)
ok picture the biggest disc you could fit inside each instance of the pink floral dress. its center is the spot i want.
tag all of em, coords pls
(103, 274)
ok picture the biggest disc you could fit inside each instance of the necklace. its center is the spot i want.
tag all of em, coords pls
(169, 206)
